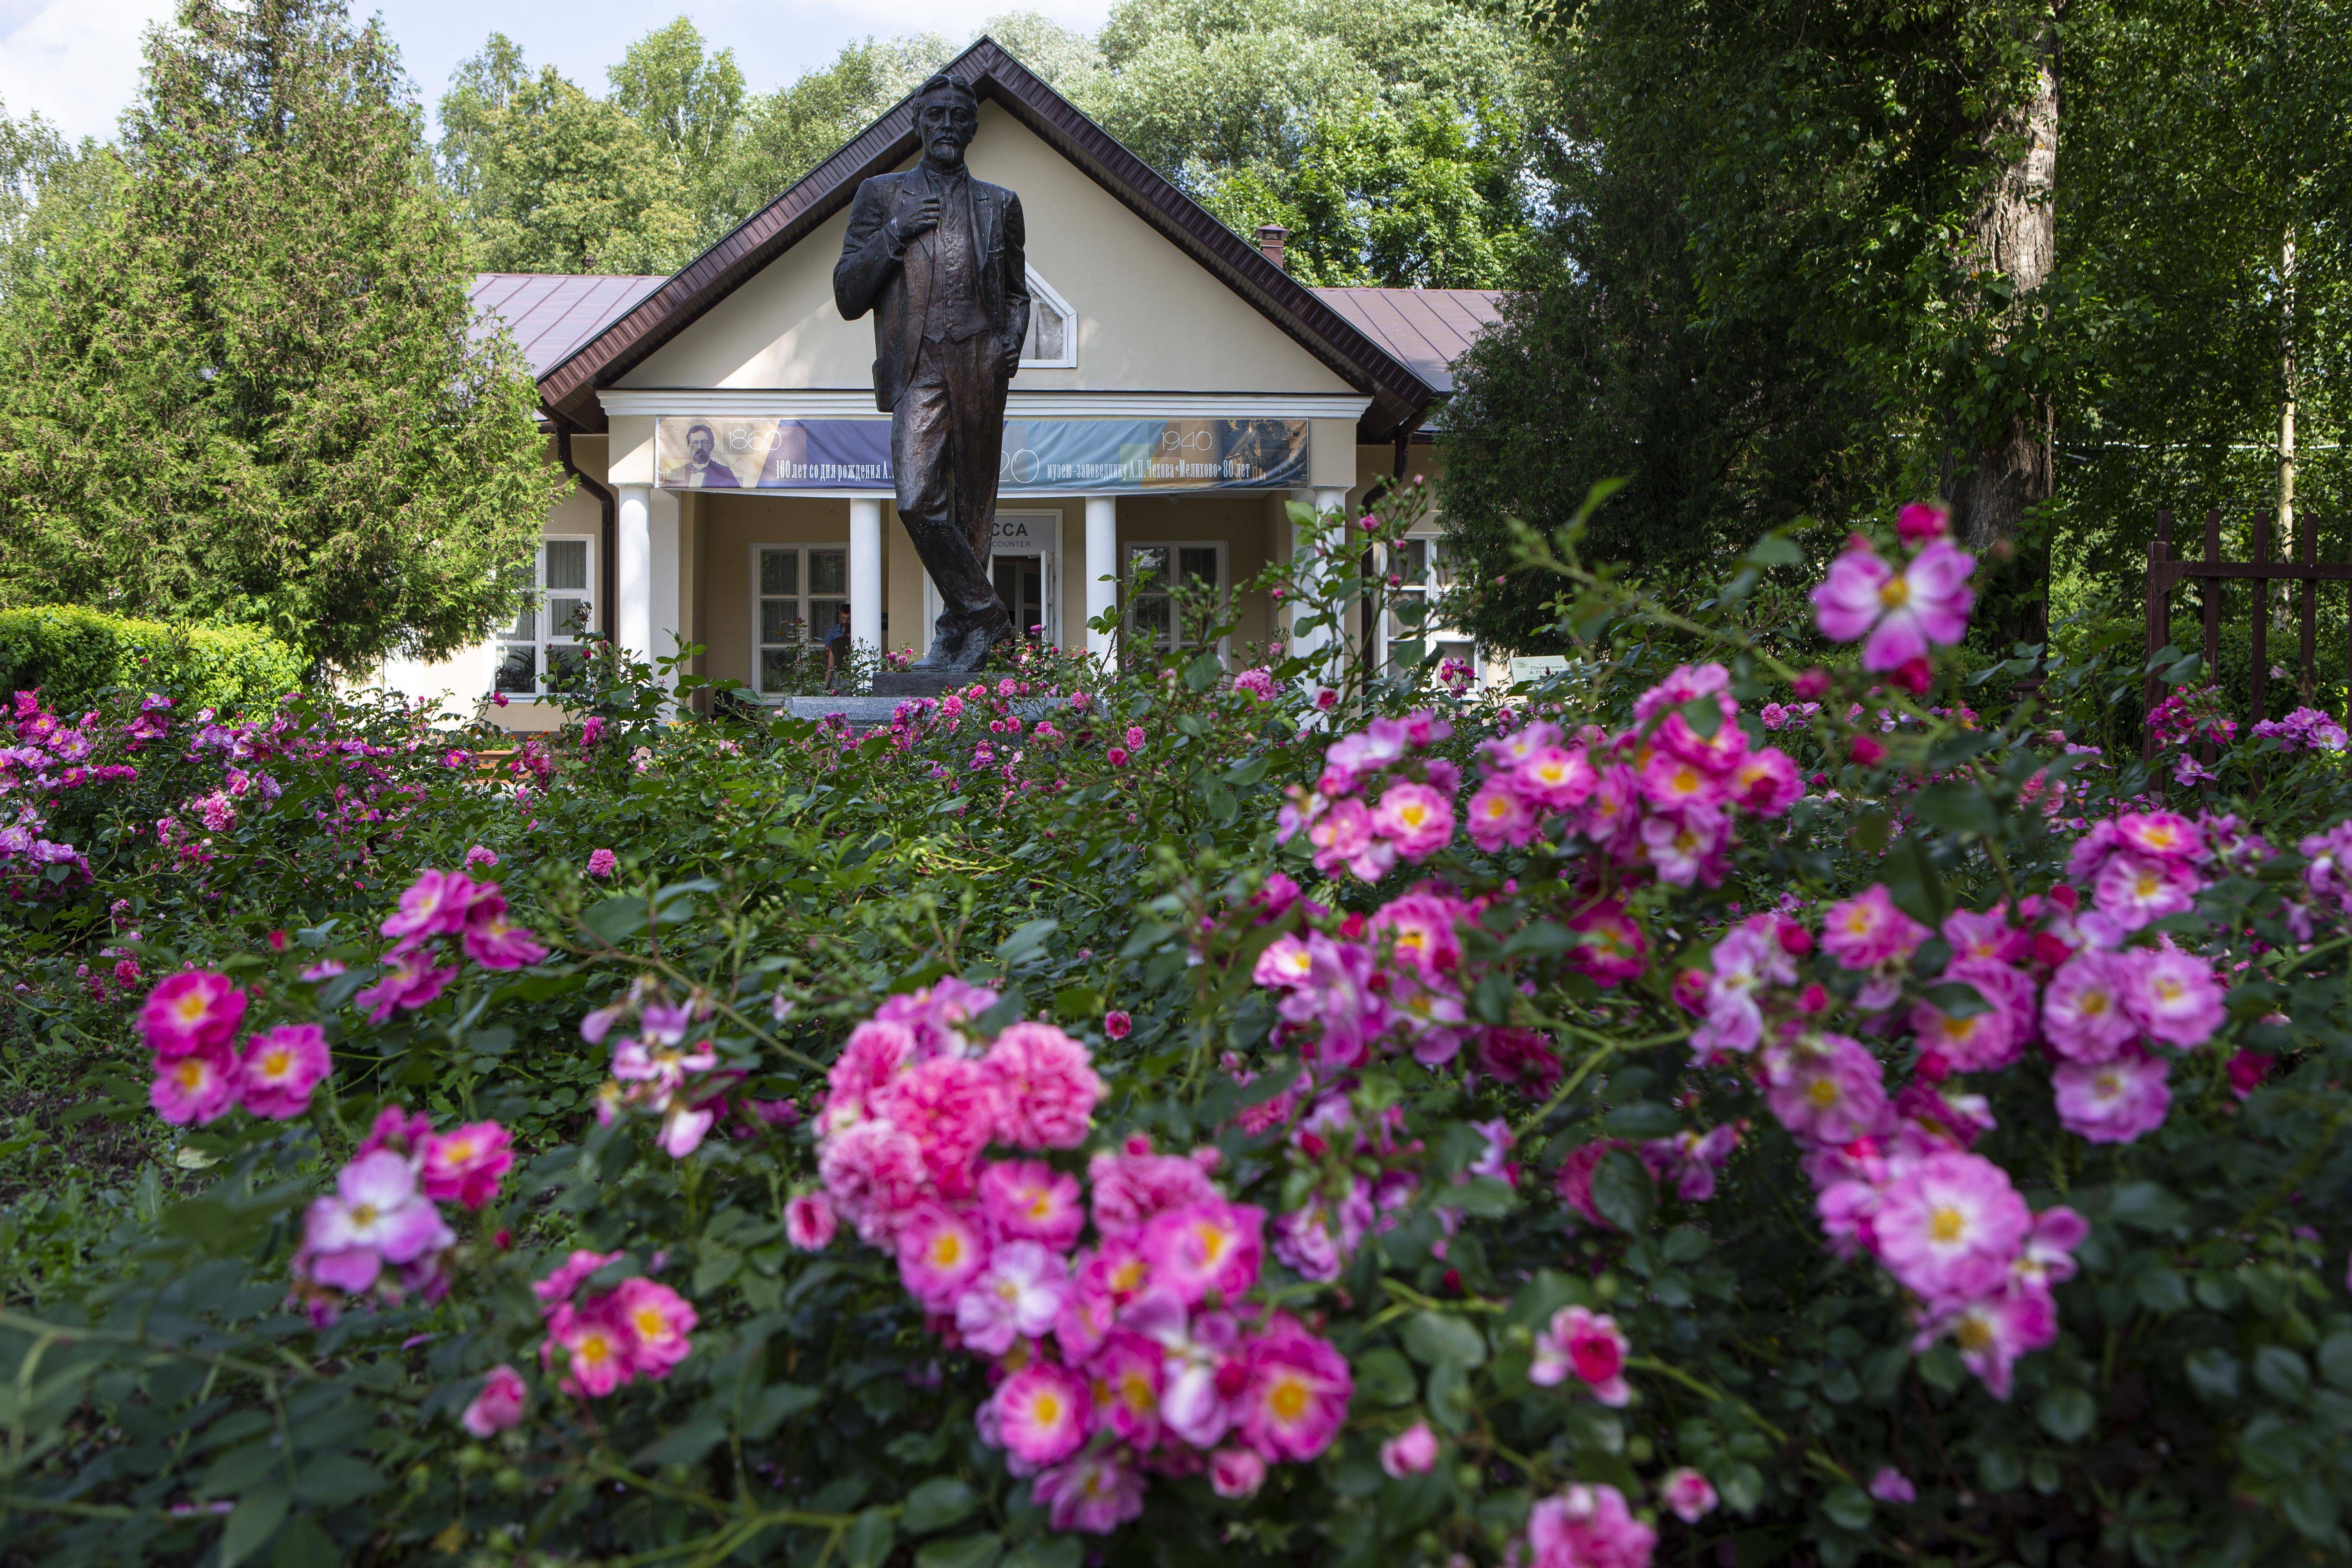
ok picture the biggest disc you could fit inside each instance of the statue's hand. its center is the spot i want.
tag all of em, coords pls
(1008, 360)
(913, 219)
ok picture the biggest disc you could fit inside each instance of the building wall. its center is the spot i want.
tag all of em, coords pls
(1149, 316)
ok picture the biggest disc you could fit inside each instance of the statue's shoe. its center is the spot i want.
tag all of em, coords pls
(945, 647)
(979, 640)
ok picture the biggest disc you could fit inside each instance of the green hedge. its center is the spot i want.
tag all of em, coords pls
(73, 655)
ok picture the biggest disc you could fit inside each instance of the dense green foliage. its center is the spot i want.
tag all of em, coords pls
(246, 390)
(1757, 296)
(73, 657)
(161, 1399)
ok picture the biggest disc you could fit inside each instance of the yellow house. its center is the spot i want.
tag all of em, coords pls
(1177, 390)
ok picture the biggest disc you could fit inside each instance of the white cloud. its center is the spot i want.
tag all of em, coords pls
(76, 61)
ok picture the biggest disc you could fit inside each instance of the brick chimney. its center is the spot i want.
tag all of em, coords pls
(1270, 236)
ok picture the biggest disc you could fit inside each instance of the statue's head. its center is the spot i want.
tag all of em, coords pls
(947, 117)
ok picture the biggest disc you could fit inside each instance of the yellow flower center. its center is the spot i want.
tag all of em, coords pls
(1974, 1333)
(1945, 1224)
(946, 1249)
(1047, 1409)
(1289, 1400)
(193, 1006)
(190, 1073)
(364, 1214)
(1213, 1241)
(592, 1349)
(1823, 1093)
(1894, 593)
(1135, 1389)
(1128, 1276)
(276, 1061)
(649, 1324)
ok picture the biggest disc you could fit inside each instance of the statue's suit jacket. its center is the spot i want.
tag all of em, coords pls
(898, 288)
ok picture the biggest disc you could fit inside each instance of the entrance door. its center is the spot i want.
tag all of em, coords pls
(1021, 589)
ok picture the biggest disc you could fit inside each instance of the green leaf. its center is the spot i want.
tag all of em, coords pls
(1998, 1469)
(302, 1544)
(1643, 1119)
(870, 1538)
(252, 1522)
(331, 1480)
(617, 919)
(1703, 715)
(1384, 1377)
(1048, 1552)
(1775, 550)
(1957, 999)
(1848, 1506)
(1913, 883)
(1483, 1197)
(975, 1550)
(935, 1504)
(1026, 942)
(2067, 1412)
(1741, 1487)
(1622, 1190)
(1441, 1338)
(2282, 1374)
(2336, 1360)
(684, 1445)
(779, 1402)
(2214, 1374)
(2148, 1206)
(1960, 807)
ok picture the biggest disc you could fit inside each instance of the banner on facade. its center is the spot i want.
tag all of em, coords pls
(1042, 457)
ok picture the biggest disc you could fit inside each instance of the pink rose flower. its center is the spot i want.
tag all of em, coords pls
(199, 1085)
(949, 1106)
(1589, 1344)
(595, 1350)
(1412, 1452)
(466, 1164)
(481, 855)
(411, 979)
(2083, 1013)
(190, 1011)
(1949, 1228)
(2173, 996)
(1992, 1332)
(1611, 948)
(1498, 818)
(1868, 929)
(2134, 890)
(1891, 1486)
(1903, 614)
(1825, 1087)
(1588, 1525)
(1117, 1025)
(601, 862)
(1042, 1414)
(941, 1251)
(1018, 1296)
(875, 1175)
(1235, 1474)
(498, 1406)
(1414, 817)
(493, 942)
(280, 1068)
(1767, 783)
(1095, 1492)
(375, 1216)
(1688, 1495)
(558, 1287)
(659, 1321)
(810, 1222)
(1045, 1087)
(1028, 1200)
(2114, 1101)
(1131, 1187)
(1555, 778)
(1127, 1371)
(1214, 1245)
(1295, 1392)
(436, 904)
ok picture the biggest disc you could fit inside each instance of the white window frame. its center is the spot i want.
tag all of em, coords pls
(1424, 588)
(801, 597)
(544, 636)
(1128, 548)
(1042, 294)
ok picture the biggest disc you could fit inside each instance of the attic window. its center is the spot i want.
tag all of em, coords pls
(1052, 339)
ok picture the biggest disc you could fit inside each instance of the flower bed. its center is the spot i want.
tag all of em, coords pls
(1722, 1112)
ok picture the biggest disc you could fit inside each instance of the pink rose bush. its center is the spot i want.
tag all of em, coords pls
(1116, 1311)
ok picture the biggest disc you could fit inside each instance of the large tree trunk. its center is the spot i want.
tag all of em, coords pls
(2013, 233)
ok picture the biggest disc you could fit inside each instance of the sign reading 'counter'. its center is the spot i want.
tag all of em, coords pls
(1042, 457)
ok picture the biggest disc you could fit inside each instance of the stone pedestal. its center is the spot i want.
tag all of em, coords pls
(905, 683)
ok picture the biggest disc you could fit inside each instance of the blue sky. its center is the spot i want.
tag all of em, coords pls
(77, 61)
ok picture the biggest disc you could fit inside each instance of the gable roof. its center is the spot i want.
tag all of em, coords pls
(1428, 329)
(1400, 394)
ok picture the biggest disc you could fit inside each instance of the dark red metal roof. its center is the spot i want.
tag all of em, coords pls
(1400, 394)
(550, 314)
(1428, 329)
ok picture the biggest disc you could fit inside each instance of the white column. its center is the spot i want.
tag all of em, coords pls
(1102, 562)
(865, 573)
(667, 617)
(632, 576)
(1328, 500)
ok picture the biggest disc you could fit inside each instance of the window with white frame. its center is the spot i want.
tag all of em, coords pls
(798, 591)
(544, 641)
(1422, 574)
(1053, 340)
(1159, 579)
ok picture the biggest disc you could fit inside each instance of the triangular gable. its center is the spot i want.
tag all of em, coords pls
(1399, 396)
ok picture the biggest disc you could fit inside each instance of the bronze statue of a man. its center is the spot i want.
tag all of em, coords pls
(937, 255)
